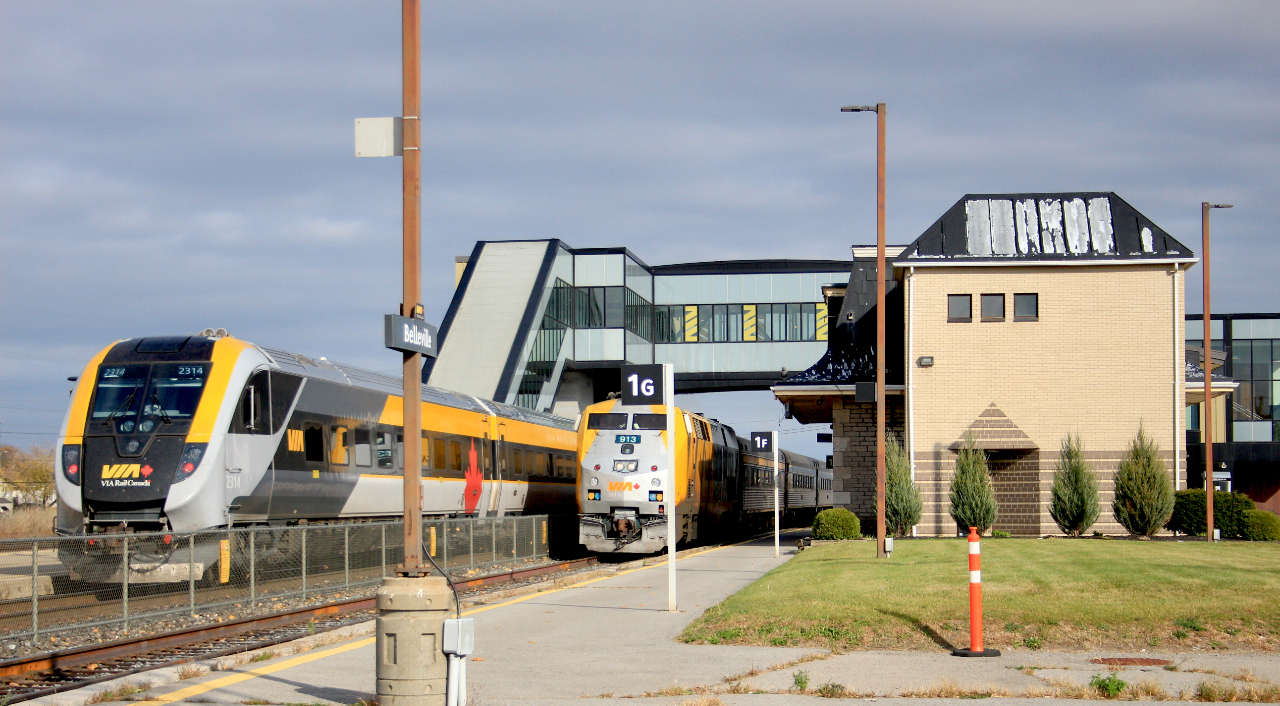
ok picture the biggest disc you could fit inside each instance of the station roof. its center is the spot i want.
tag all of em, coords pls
(1073, 228)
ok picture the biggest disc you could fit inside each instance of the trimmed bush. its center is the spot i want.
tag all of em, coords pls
(1073, 504)
(902, 503)
(1260, 526)
(973, 498)
(1228, 512)
(1144, 492)
(836, 523)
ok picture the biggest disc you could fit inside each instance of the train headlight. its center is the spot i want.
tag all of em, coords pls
(655, 482)
(594, 481)
(189, 461)
(71, 463)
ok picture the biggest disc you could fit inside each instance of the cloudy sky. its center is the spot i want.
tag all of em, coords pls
(172, 166)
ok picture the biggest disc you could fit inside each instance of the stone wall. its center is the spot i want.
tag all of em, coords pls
(854, 447)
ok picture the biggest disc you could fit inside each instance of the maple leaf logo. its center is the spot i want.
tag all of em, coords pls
(471, 492)
(146, 471)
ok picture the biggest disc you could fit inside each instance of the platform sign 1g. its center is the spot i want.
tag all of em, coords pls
(762, 442)
(642, 384)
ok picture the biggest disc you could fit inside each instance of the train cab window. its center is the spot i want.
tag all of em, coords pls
(455, 455)
(648, 421)
(341, 446)
(284, 387)
(254, 414)
(438, 453)
(606, 421)
(313, 443)
(364, 447)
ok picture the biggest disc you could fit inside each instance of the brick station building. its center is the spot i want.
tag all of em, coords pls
(1016, 319)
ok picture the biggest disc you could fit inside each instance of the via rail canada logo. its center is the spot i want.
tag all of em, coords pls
(615, 485)
(126, 474)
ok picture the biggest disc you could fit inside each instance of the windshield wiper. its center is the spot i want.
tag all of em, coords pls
(119, 410)
(160, 408)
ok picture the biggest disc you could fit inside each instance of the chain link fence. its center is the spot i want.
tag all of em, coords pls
(87, 581)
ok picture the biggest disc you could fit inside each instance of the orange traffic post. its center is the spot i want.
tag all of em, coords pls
(975, 601)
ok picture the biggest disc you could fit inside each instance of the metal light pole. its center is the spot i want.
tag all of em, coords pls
(1208, 370)
(880, 112)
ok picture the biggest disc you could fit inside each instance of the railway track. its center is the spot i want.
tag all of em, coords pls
(30, 677)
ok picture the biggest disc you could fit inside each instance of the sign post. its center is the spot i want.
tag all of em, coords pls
(656, 385)
(767, 442)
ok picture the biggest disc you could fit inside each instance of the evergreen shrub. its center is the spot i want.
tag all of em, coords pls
(1073, 504)
(836, 523)
(1189, 512)
(902, 504)
(973, 498)
(1260, 526)
(1144, 492)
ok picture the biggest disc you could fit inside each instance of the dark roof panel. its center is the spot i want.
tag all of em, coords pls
(1061, 227)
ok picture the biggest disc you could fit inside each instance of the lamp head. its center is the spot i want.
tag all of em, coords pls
(858, 109)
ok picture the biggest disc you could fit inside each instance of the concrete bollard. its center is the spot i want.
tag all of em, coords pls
(411, 669)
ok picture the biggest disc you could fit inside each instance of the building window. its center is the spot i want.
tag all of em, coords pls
(960, 308)
(993, 307)
(1026, 307)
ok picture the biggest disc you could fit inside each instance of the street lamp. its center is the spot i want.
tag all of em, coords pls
(1208, 370)
(879, 110)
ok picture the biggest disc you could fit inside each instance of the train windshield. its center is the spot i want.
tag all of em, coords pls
(607, 421)
(144, 398)
(649, 421)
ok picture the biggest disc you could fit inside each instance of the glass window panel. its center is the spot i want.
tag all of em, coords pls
(779, 322)
(1242, 402)
(993, 307)
(614, 312)
(517, 461)
(1261, 360)
(808, 322)
(794, 327)
(438, 454)
(364, 447)
(735, 322)
(607, 421)
(455, 455)
(720, 326)
(1026, 307)
(341, 445)
(704, 324)
(1240, 368)
(675, 321)
(386, 454)
(959, 307)
(649, 421)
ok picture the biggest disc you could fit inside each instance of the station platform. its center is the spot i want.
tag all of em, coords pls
(611, 638)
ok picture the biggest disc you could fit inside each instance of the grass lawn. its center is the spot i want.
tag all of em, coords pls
(1061, 594)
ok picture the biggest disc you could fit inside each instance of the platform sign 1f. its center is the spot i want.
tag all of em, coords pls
(642, 384)
(762, 442)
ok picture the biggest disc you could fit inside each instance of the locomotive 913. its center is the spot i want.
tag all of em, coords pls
(190, 433)
(721, 485)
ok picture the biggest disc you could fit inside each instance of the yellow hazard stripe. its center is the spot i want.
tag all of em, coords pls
(748, 322)
(822, 321)
(691, 324)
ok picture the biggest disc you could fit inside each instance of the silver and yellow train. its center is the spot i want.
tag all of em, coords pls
(189, 433)
(721, 485)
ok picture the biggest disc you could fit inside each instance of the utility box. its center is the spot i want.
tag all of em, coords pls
(411, 668)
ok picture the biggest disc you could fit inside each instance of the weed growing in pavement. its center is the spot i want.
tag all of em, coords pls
(1219, 691)
(366, 702)
(800, 680)
(191, 671)
(704, 701)
(1170, 667)
(255, 702)
(1189, 623)
(832, 690)
(951, 690)
(263, 656)
(1109, 686)
(119, 693)
(1032, 643)
(1146, 691)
